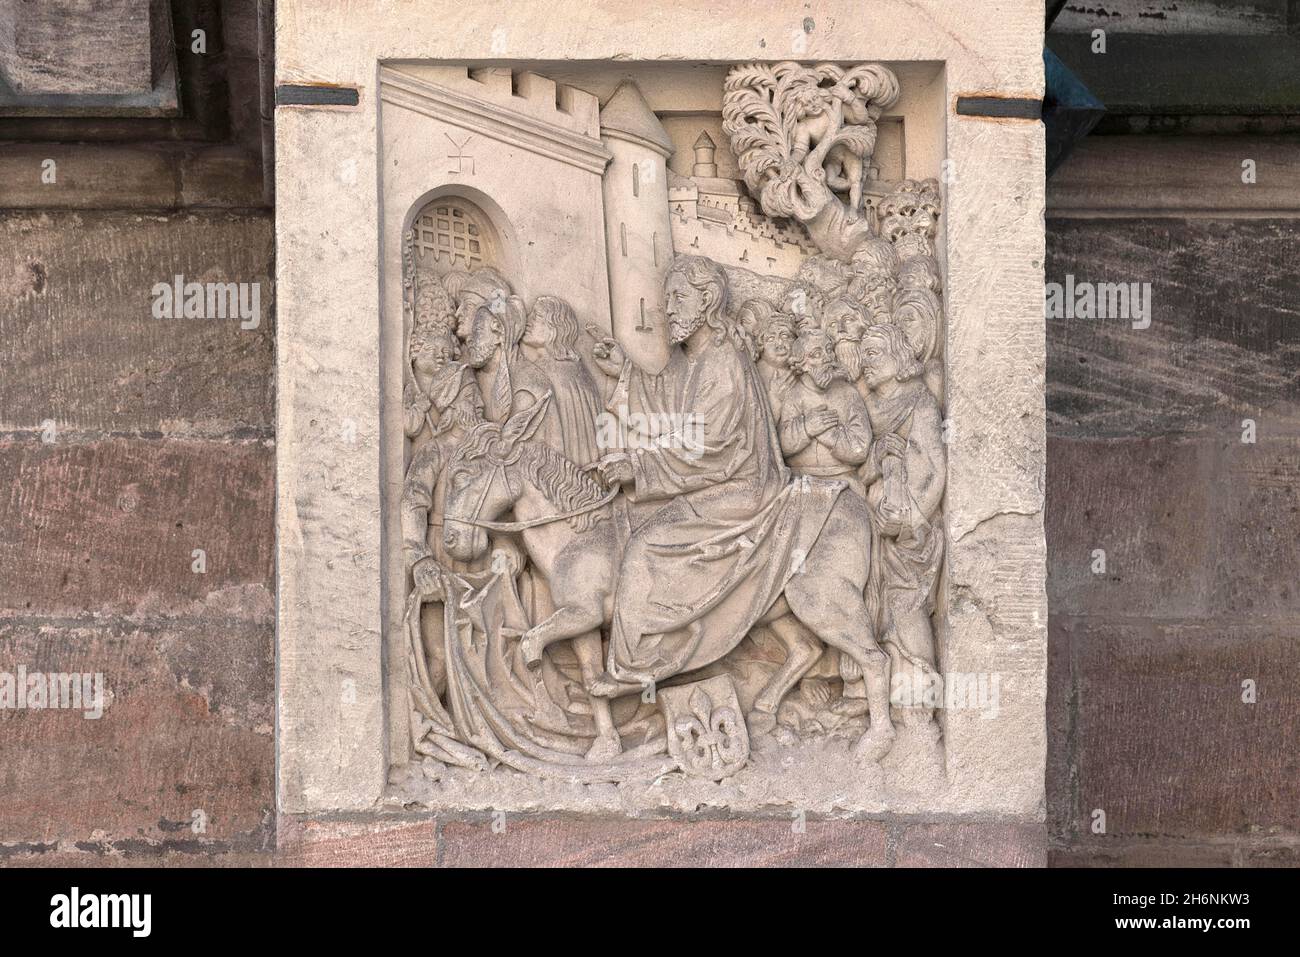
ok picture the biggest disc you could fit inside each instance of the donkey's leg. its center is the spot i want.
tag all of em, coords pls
(802, 649)
(833, 608)
(567, 621)
(607, 745)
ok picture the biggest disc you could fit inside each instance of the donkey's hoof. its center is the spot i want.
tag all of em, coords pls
(873, 745)
(760, 723)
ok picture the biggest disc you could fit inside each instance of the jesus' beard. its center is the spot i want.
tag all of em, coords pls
(681, 328)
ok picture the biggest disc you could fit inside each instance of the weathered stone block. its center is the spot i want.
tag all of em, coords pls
(1170, 741)
(85, 349)
(972, 845)
(182, 754)
(1130, 526)
(1157, 853)
(1255, 554)
(370, 843)
(586, 842)
(136, 527)
(78, 46)
(1221, 344)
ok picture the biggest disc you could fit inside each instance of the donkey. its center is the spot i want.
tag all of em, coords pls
(497, 468)
(566, 523)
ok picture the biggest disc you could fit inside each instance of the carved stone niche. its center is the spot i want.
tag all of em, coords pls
(663, 432)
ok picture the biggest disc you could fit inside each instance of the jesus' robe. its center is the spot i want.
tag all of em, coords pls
(734, 527)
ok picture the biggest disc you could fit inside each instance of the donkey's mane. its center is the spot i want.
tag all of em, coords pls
(563, 483)
(476, 442)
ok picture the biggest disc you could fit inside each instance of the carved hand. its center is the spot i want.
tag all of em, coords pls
(821, 419)
(890, 443)
(615, 468)
(507, 561)
(428, 579)
(416, 405)
(607, 353)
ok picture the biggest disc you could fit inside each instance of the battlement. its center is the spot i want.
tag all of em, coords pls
(524, 92)
(738, 241)
(751, 221)
(714, 217)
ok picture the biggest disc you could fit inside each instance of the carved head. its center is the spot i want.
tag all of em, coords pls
(916, 312)
(778, 340)
(804, 97)
(496, 325)
(920, 272)
(876, 294)
(844, 319)
(754, 317)
(432, 347)
(479, 479)
(484, 287)
(484, 337)
(814, 357)
(886, 356)
(875, 257)
(552, 327)
(845, 323)
(695, 292)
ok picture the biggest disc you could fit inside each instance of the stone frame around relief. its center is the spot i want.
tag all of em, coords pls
(335, 757)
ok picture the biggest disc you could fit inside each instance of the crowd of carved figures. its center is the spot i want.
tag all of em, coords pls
(756, 525)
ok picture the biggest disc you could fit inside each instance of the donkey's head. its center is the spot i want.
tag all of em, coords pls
(482, 479)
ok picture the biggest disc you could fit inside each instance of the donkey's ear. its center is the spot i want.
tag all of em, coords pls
(521, 426)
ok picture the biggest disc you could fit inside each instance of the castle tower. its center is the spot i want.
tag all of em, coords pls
(638, 232)
(705, 155)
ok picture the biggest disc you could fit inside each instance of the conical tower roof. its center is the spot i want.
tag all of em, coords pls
(627, 116)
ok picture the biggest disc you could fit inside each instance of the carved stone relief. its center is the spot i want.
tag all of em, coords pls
(680, 523)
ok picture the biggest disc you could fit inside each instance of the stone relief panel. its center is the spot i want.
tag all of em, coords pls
(671, 520)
